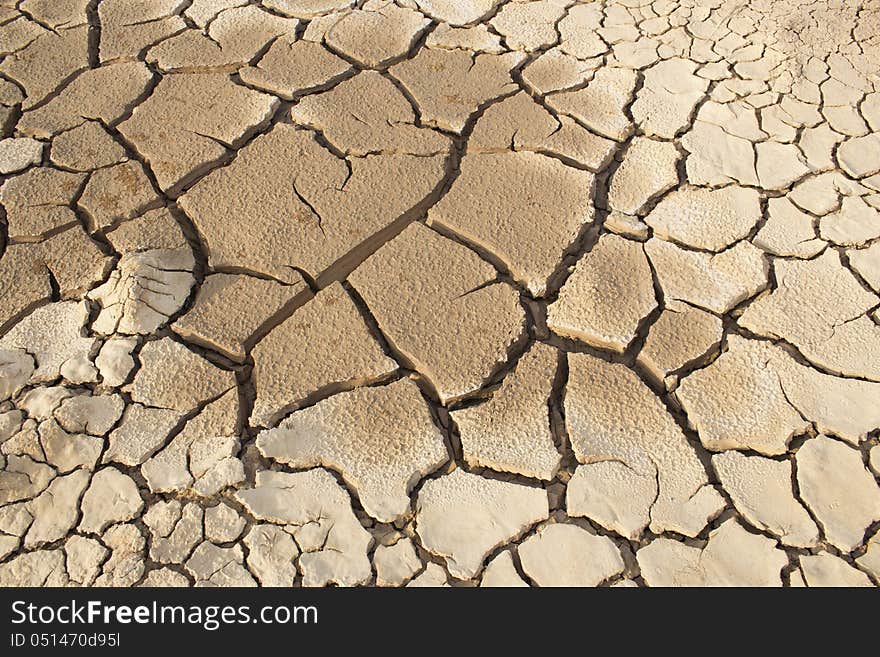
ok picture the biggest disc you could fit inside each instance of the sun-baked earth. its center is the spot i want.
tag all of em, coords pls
(439, 292)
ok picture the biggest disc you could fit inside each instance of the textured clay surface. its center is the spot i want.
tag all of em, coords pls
(439, 293)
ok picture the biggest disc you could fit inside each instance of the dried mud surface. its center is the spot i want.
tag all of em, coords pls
(439, 293)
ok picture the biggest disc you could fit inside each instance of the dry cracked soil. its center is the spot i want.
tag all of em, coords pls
(439, 293)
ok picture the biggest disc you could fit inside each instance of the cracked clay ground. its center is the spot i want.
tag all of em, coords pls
(439, 292)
